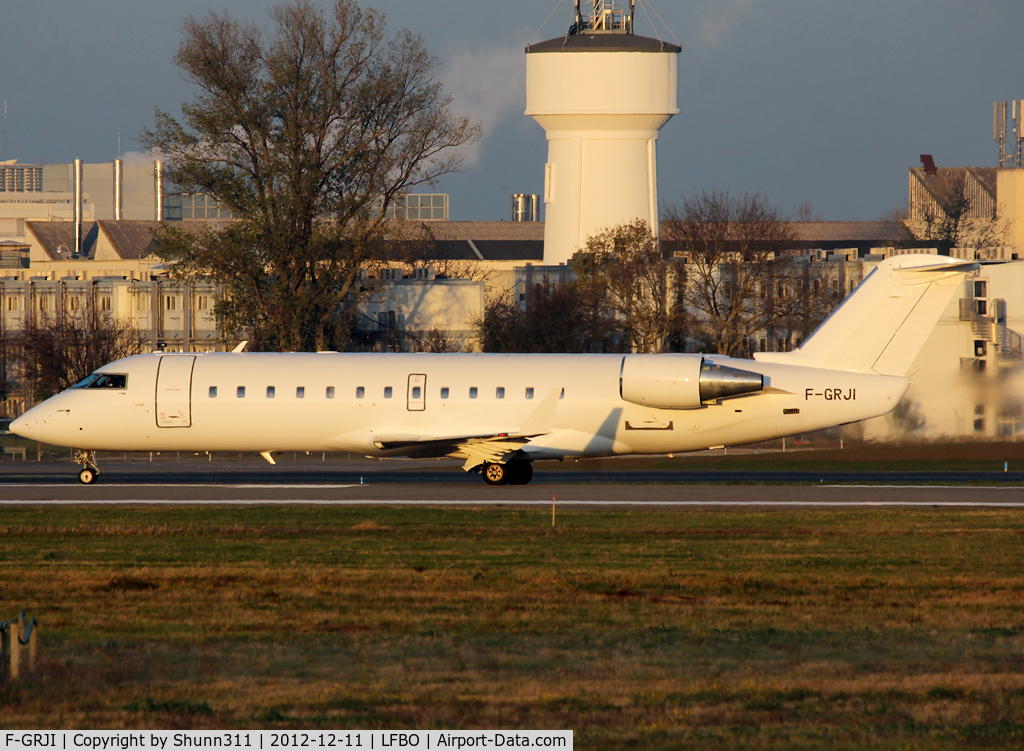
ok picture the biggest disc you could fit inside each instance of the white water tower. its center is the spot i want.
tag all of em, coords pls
(601, 94)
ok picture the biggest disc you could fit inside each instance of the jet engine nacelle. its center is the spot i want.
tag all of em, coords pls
(681, 381)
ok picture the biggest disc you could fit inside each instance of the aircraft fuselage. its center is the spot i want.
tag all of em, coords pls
(423, 404)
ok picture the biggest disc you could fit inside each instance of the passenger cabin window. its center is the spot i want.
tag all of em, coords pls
(300, 392)
(499, 393)
(360, 392)
(529, 392)
(241, 392)
(271, 391)
(444, 393)
(330, 392)
(387, 392)
(562, 395)
(213, 392)
(117, 381)
(472, 392)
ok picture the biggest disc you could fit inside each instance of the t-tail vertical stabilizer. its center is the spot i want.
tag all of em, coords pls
(882, 325)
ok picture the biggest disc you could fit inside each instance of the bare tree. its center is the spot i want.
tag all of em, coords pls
(306, 133)
(945, 225)
(641, 288)
(953, 221)
(438, 340)
(739, 275)
(805, 213)
(52, 353)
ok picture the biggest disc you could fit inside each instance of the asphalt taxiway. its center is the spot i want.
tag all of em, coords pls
(443, 483)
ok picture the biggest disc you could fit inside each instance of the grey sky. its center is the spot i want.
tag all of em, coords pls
(808, 100)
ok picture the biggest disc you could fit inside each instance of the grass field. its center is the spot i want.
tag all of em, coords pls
(655, 629)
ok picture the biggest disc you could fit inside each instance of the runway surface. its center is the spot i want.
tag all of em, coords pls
(430, 483)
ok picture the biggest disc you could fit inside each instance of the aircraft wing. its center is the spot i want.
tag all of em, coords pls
(477, 448)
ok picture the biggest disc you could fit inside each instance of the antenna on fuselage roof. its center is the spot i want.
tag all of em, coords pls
(241, 345)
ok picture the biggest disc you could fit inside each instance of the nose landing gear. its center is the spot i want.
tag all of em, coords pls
(89, 469)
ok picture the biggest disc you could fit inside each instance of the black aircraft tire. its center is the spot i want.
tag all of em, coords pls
(520, 473)
(87, 476)
(495, 474)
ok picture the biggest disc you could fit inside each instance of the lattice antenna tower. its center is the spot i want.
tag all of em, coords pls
(1009, 132)
(601, 17)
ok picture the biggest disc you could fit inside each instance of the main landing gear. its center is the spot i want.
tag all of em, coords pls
(89, 470)
(510, 473)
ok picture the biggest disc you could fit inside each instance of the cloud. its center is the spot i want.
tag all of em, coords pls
(721, 17)
(140, 157)
(486, 85)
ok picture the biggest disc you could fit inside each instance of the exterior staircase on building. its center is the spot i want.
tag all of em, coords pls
(1009, 345)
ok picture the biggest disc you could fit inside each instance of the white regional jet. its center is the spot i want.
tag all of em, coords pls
(502, 412)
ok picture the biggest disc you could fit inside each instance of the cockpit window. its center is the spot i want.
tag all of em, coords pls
(86, 382)
(104, 381)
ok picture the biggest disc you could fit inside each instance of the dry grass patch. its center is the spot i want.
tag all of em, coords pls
(744, 629)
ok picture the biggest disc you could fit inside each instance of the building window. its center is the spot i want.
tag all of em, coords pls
(979, 347)
(330, 392)
(271, 391)
(12, 302)
(202, 302)
(444, 392)
(300, 392)
(171, 302)
(472, 392)
(213, 392)
(981, 289)
(241, 392)
(387, 392)
(104, 302)
(981, 307)
(360, 392)
(529, 392)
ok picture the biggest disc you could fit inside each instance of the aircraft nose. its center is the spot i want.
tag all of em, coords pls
(29, 425)
(19, 425)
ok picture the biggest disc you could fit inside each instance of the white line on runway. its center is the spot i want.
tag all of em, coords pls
(186, 485)
(314, 486)
(495, 502)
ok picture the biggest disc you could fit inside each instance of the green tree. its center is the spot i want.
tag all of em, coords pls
(307, 132)
(553, 318)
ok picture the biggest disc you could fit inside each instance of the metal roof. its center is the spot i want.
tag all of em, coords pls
(603, 43)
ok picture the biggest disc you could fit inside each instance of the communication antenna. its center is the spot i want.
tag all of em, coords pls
(603, 16)
(1009, 132)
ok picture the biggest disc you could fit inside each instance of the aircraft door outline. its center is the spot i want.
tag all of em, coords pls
(174, 391)
(416, 394)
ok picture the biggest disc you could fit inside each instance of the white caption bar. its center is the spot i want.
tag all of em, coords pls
(269, 740)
